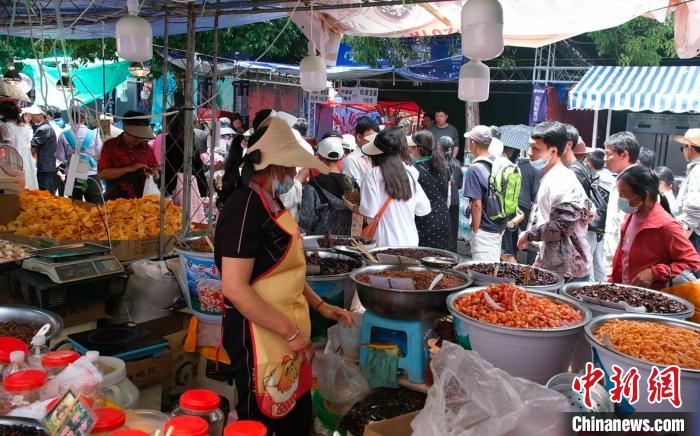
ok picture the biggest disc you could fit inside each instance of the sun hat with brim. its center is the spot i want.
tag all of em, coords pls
(581, 147)
(33, 110)
(225, 127)
(376, 146)
(138, 127)
(516, 136)
(691, 137)
(278, 146)
(410, 141)
(331, 148)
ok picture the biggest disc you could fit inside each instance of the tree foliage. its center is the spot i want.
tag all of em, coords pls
(641, 41)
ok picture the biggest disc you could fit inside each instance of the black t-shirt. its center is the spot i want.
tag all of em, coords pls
(331, 182)
(246, 230)
(583, 175)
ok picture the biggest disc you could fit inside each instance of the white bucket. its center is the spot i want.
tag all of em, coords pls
(350, 337)
(116, 386)
(202, 278)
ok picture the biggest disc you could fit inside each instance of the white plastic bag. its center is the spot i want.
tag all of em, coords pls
(150, 187)
(339, 383)
(80, 372)
(151, 290)
(471, 397)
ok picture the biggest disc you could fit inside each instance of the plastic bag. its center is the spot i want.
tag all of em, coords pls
(471, 397)
(151, 290)
(465, 223)
(150, 187)
(339, 383)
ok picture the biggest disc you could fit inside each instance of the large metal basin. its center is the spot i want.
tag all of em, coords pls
(32, 316)
(25, 422)
(404, 305)
(368, 243)
(442, 253)
(483, 281)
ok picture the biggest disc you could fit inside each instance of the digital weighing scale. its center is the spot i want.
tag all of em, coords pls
(74, 262)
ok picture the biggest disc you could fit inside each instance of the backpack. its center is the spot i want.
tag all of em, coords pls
(505, 181)
(599, 196)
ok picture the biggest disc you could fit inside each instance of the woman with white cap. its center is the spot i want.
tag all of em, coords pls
(258, 249)
(390, 194)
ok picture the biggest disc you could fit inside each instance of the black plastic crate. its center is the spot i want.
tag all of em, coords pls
(38, 290)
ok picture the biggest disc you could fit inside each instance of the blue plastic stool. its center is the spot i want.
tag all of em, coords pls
(408, 335)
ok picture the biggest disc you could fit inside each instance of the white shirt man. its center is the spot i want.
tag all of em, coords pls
(689, 192)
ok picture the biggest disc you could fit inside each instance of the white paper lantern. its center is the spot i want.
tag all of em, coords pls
(134, 36)
(482, 29)
(312, 71)
(474, 79)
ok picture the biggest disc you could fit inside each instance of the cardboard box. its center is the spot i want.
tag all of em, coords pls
(150, 397)
(183, 372)
(82, 313)
(149, 370)
(399, 426)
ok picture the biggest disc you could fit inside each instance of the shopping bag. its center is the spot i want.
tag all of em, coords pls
(150, 187)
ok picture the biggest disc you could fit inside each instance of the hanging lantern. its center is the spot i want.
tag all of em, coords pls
(474, 78)
(134, 35)
(482, 29)
(312, 71)
(139, 69)
(11, 75)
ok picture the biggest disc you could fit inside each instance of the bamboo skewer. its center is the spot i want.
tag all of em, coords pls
(361, 247)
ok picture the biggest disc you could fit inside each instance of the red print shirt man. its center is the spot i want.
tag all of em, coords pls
(127, 160)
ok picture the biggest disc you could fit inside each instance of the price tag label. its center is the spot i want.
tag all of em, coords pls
(392, 283)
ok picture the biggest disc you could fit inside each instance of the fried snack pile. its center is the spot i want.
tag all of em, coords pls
(59, 218)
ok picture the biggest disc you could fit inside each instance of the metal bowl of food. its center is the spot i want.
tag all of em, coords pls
(22, 426)
(407, 304)
(329, 242)
(634, 342)
(524, 276)
(438, 261)
(536, 354)
(410, 255)
(327, 265)
(605, 298)
(26, 317)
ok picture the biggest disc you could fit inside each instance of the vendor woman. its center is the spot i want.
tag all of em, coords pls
(260, 254)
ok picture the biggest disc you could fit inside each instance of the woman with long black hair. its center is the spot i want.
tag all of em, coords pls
(390, 194)
(653, 247)
(259, 252)
(434, 177)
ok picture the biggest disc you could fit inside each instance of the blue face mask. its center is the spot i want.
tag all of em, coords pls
(539, 164)
(282, 187)
(624, 205)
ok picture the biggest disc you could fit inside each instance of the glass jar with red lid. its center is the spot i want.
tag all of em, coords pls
(186, 425)
(24, 387)
(108, 421)
(245, 428)
(56, 361)
(204, 404)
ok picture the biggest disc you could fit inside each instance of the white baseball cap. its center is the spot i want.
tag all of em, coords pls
(349, 142)
(331, 148)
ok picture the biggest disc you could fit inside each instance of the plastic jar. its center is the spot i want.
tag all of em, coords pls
(24, 387)
(187, 425)
(7, 346)
(245, 428)
(149, 421)
(56, 361)
(129, 432)
(108, 420)
(204, 404)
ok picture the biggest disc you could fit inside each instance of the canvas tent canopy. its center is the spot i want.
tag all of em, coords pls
(656, 89)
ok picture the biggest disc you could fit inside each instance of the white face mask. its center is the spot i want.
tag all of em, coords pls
(541, 164)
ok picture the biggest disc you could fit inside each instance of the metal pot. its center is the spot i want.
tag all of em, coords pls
(534, 354)
(32, 316)
(608, 356)
(598, 310)
(481, 280)
(25, 422)
(330, 254)
(368, 243)
(583, 349)
(337, 289)
(442, 253)
(399, 304)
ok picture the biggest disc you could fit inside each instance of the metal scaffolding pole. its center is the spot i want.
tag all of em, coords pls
(188, 121)
(163, 133)
(215, 125)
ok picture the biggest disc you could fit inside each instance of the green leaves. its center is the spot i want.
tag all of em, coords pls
(641, 41)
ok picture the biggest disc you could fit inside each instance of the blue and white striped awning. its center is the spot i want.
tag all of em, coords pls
(656, 89)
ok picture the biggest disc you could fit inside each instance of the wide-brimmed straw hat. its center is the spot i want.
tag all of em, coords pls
(691, 137)
(278, 146)
(138, 127)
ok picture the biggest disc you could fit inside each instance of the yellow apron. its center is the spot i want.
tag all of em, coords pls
(279, 379)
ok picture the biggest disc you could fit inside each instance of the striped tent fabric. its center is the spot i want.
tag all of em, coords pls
(656, 89)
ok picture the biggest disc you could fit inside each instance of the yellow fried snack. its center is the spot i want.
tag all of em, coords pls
(61, 218)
